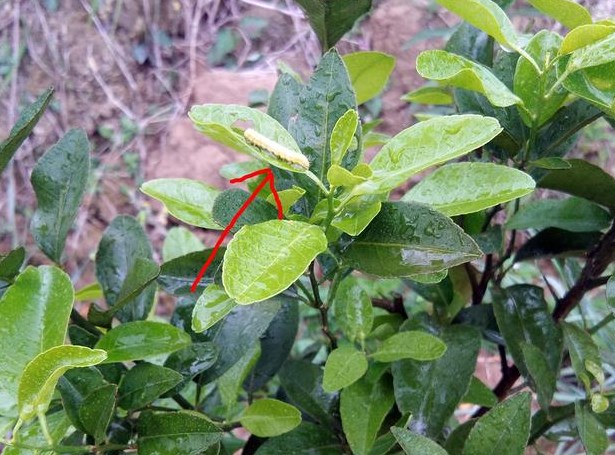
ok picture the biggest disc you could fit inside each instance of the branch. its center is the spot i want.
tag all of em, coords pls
(395, 306)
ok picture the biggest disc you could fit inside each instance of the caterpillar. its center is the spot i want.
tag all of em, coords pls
(277, 150)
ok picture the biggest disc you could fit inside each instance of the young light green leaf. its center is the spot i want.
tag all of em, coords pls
(410, 345)
(140, 339)
(171, 433)
(339, 176)
(264, 259)
(269, 417)
(592, 433)
(41, 375)
(26, 122)
(91, 291)
(566, 12)
(414, 444)
(427, 144)
(179, 242)
(503, 430)
(363, 407)
(345, 365)
(288, 197)
(353, 310)
(59, 179)
(459, 188)
(598, 53)
(187, 200)
(429, 95)
(145, 382)
(34, 310)
(595, 85)
(550, 163)
(410, 239)
(342, 135)
(369, 72)
(33, 435)
(583, 36)
(457, 71)
(212, 305)
(354, 220)
(218, 120)
(572, 214)
(582, 350)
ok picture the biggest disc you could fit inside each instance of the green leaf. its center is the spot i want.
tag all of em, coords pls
(144, 383)
(190, 362)
(532, 86)
(91, 291)
(339, 176)
(284, 102)
(60, 180)
(431, 391)
(610, 293)
(41, 375)
(345, 365)
(176, 276)
(32, 435)
(264, 259)
(179, 242)
(582, 349)
(213, 305)
(550, 162)
(35, 311)
(488, 17)
(354, 219)
(363, 407)
(96, 411)
(332, 19)
(457, 438)
(584, 35)
(523, 317)
(120, 259)
(595, 85)
(460, 188)
(543, 379)
(229, 384)
(409, 239)
(429, 95)
(28, 118)
(342, 134)
(572, 214)
(187, 200)
(369, 73)
(269, 417)
(353, 310)
(592, 433)
(217, 121)
(457, 71)
(414, 444)
(171, 433)
(140, 339)
(306, 439)
(427, 144)
(478, 393)
(11, 263)
(288, 198)
(598, 53)
(584, 180)
(74, 387)
(229, 202)
(553, 242)
(503, 430)
(566, 12)
(410, 345)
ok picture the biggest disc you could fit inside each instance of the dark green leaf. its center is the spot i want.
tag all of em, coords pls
(478, 393)
(190, 362)
(229, 384)
(60, 180)
(176, 276)
(553, 242)
(306, 439)
(456, 440)
(75, 386)
(592, 433)
(144, 383)
(284, 100)
(543, 379)
(96, 411)
(28, 118)
(408, 239)
(228, 203)
(414, 444)
(11, 263)
(471, 43)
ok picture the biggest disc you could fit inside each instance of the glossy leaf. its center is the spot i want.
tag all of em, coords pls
(97, 410)
(28, 118)
(213, 305)
(478, 393)
(523, 317)
(543, 379)
(283, 102)
(457, 71)
(176, 276)
(218, 120)
(503, 430)
(429, 95)
(592, 433)
(144, 383)
(353, 310)
(187, 200)
(229, 202)
(345, 365)
(369, 73)
(342, 134)
(584, 35)
(409, 239)
(11, 263)
(595, 85)
(179, 242)
(288, 198)
(572, 214)
(170, 433)
(582, 349)
(60, 180)
(427, 144)
(264, 259)
(553, 242)
(42, 373)
(363, 407)
(598, 53)
(566, 12)
(353, 220)
(117, 263)
(584, 180)
(413, 443)
(229, 384)
(269, 417)
(306, 439)
(431, 391)
(141, 339)
(332, 19)
(339, 176)
(190, 362)
(75, 387)
(410, 345)
(456, 189)
(34, 310)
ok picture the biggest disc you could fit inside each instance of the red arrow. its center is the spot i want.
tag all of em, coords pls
(268, 178)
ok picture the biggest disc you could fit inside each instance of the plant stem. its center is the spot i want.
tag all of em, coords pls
(180, 400)
(323, 309)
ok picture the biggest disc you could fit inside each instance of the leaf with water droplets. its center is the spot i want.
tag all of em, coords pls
(212, 305)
